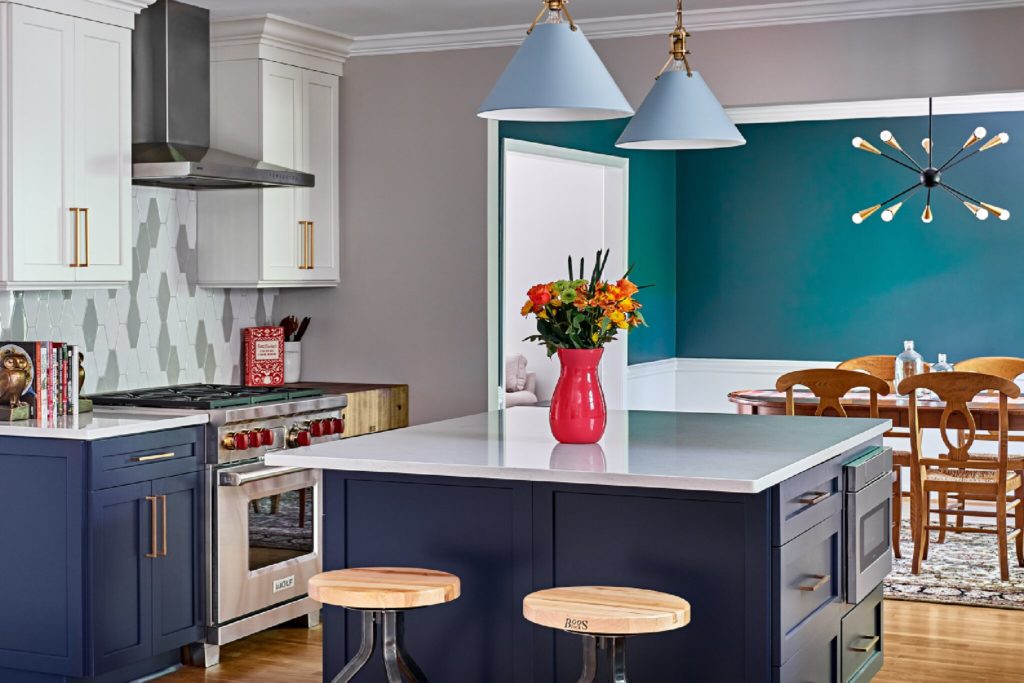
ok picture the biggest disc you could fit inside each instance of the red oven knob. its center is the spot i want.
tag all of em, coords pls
(266, 437)
(316, 428)
(328, 427)
(235, 442)
(338, 425)
(298, 437)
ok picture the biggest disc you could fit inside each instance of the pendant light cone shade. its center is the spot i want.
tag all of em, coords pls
(680, 112)
(555, 76)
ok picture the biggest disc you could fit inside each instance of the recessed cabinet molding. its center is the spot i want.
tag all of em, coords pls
(65, 144)
(274, 96)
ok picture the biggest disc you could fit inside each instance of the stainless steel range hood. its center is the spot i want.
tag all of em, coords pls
(171, 109)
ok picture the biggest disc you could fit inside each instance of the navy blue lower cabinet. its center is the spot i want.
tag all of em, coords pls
(763, 574)
(107, 537)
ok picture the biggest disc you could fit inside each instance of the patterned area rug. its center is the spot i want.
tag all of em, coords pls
(962, 571)
(282, 530)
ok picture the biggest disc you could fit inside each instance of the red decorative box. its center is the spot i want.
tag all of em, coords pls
(263, 356)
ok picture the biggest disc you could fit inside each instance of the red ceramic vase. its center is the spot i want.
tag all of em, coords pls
(578, 412)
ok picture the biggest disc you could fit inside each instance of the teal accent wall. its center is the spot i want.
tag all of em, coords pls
(770, 265)
(652, 222)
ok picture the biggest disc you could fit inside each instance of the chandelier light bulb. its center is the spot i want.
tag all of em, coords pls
(927, 217)
(1001, 214)
(861, 143)
(978, 134)
(927, 144)
(1000, 139)
(891, 212)
(980, 213)
(890, 139)
(867, 213)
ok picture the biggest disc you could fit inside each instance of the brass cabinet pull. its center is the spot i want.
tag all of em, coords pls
(156, 456)
(820, 580)
(85, 211)
(305, 245)
(312, 243)
(74, 211)
(866, 644)
(152, 527)
(814, 497)
(163, 501)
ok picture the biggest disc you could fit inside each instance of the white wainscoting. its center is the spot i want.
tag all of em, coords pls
(702, 385)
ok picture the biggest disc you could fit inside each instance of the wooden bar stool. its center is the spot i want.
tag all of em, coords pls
(605, 616)
(383, 595)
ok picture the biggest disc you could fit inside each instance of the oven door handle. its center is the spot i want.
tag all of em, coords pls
(229, 478)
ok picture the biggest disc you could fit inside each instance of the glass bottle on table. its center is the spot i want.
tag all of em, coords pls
(943, 365)
(908, 364)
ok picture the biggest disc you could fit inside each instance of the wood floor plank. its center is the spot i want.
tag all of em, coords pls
(925, 643)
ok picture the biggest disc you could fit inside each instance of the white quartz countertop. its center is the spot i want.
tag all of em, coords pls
(104, 423)
(687, 451)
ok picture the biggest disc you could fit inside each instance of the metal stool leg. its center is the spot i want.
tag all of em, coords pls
(589, 674)
(615, 651)
(409, 668)
(394, 663)
(365, 650)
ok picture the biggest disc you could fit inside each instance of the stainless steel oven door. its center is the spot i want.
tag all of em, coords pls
(267, 537)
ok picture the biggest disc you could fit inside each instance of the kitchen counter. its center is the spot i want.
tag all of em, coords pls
(104, 423)
(753, 520)
(682, 451)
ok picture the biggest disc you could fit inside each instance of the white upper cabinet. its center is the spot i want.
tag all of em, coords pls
(280, 106)
(65, 148)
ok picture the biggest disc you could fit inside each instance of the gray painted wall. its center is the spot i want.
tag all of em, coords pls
(412, 302)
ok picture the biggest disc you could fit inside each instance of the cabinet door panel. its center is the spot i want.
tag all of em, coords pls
(176, 582)
(42, 56)
(321, 146)
(103, 149)
(283, 237)
(121, 536)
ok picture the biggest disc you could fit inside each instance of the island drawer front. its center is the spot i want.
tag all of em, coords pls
(809, 571)
(807, 499)
(868, 536)
(143, 457)
(818, 662)
(861, 639)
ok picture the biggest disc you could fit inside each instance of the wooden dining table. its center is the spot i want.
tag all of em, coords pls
(984, 408)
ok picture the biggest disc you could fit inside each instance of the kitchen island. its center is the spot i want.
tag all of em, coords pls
(745, 517)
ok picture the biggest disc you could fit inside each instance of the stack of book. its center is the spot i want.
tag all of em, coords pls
(50, 390)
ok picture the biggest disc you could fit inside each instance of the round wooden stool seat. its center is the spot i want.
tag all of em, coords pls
(605, 610)
(384, 588)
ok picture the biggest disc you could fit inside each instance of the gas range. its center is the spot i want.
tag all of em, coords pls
(262, 524)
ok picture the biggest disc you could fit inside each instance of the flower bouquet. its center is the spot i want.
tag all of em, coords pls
(575, 319)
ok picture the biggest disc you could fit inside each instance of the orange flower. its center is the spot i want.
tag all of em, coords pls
(540, 295)
(628, 288)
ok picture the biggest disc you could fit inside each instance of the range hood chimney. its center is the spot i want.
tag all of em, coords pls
(171, 109)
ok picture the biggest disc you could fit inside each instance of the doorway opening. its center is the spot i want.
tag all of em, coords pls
(556, 202)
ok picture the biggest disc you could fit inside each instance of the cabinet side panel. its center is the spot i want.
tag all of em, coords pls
(41, 593)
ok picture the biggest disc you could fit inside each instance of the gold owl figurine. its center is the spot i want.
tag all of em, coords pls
(15, 375)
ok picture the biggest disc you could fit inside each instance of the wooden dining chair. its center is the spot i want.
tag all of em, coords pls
(1007, 367)
(884, 368)
(829, 386)
(960, 471)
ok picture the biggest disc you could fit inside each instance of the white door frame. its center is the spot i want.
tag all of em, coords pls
(495, 269)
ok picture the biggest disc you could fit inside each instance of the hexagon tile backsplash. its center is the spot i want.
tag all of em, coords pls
(160, 329)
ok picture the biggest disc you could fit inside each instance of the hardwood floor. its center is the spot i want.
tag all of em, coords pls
(925, 644)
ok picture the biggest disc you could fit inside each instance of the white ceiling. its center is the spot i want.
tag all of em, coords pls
(375, 17)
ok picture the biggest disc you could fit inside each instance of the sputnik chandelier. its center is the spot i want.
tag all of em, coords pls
(930, 176)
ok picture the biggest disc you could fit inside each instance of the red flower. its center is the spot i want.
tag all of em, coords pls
(540, 295)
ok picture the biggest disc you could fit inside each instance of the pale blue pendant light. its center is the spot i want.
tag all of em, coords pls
(680, 112)
(555, 76)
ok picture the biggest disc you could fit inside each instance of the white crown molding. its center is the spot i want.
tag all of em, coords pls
(748, 16)
(278, 39)
(116, 12)
(870, 109)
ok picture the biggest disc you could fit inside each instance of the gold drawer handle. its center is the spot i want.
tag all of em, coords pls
(867, 644)
(85, 264)
(820, 581)
(814, 497)
(152, 527)
(157, 456)
(163, 500)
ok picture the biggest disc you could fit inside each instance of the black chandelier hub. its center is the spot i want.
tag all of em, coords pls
(931, 177)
